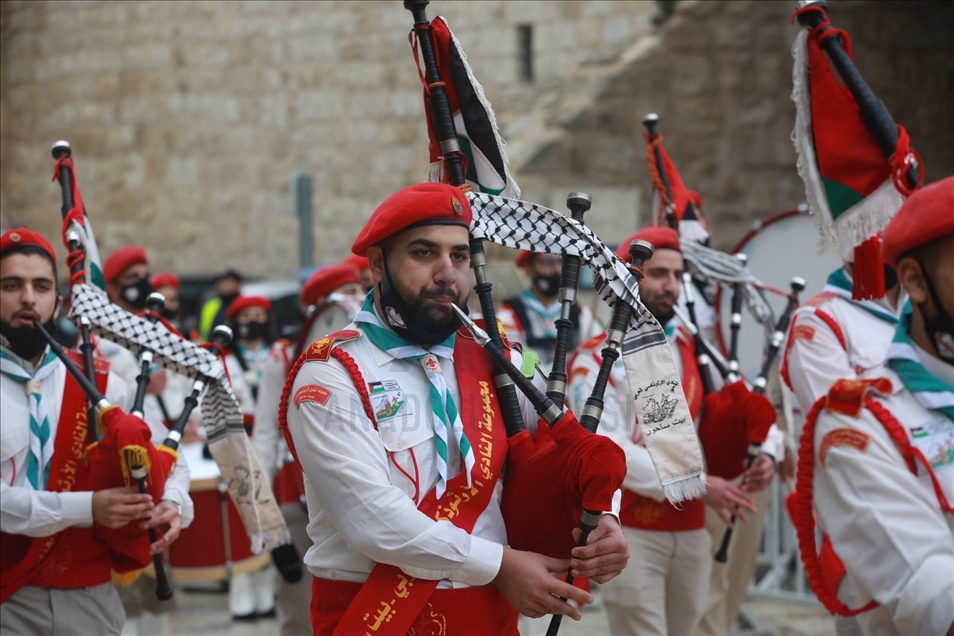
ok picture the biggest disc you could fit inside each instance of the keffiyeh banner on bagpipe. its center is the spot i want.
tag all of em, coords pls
(659, 402)
(222, 421)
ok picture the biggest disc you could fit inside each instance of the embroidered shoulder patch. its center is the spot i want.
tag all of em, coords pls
(843, 437)
(848, 396)
(320, 349)
(818, 299)
(803, 332)
(312, 393)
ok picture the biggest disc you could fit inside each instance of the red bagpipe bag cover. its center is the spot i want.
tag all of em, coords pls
(550, 480)
(126, 442)
(732, 419)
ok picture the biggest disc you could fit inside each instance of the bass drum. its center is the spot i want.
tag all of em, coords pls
(781, 247)
(215, 545)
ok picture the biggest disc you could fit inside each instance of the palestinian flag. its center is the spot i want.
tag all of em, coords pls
(77, 222)
(684, 209)
(848, 179)
(486, 164)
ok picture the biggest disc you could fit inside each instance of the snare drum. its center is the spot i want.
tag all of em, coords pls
(779, 248)
(215, 545)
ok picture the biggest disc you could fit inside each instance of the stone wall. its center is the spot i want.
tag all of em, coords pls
(719, 76)
(186, 118)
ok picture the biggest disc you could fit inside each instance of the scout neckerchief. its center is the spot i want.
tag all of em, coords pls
(930, 392)
(547, 316)
(444, 410)
(41, 442)
(839, 284)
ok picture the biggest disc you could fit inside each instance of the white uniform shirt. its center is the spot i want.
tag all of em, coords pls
(884, 522)
(362, 507)
(42, 513)
(268, 443)
(816, 357)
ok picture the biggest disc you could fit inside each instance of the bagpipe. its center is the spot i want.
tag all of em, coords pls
(123, 452)
(736, 420)
(565, 475)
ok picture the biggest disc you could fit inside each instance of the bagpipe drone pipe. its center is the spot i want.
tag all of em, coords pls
(156, 342)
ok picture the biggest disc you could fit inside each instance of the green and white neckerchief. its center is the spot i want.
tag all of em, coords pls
(548, 317)
(41, 441)
(839, 284)
(444, 410)
(930, 392)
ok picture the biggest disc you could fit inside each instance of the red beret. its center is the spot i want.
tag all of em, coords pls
(122, 258)
(523, 258)
(165, 279)
(421, 204)
(22, 236)
(360, 263)
(326, 280)
(244, 302)
(661, 238)
(928, 214)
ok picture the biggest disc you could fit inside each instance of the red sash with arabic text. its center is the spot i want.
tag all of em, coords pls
(390, 601)
(70, 558)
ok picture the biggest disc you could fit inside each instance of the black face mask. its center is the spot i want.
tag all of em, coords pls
(549, 286)
(168, 314)
(252, 330)
(228, 298)
(27, 342)
(137, 293)
(401, 319)
(940, 328)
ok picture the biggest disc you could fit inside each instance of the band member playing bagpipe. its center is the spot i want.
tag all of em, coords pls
(396, 424)
(530, 318)
(856, 166)
(50, 551)
(876, 465)
(330, 298)
(128, 285)
(664, 588)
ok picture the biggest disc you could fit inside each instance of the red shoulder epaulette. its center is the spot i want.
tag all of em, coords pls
(848, 396)
(818, 299)
(320, 349)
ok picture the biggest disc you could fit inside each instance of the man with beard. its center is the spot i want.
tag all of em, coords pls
(388, 419)
(42, 502)
(882, 483)
(530, 318)
(126, 272)
(664, 589)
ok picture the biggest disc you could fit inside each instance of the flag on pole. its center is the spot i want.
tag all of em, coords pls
(76, 225)
(486, 165)
(849, 183)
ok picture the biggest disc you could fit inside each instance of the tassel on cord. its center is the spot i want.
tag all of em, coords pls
(868, 271)
(133, 456)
